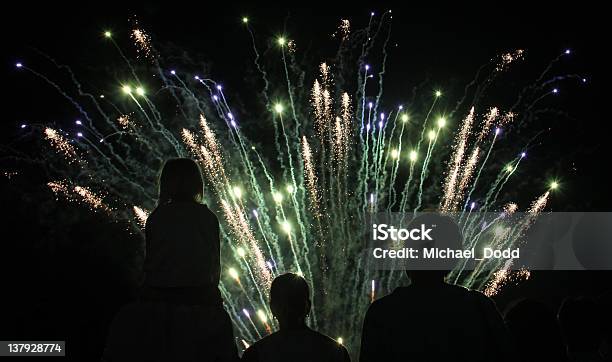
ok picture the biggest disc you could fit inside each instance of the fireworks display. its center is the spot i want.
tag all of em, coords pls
(338, 152)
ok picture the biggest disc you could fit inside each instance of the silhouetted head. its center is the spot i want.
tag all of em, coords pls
(290, 299)
(580, 320)
(180, 180)
(444, 233)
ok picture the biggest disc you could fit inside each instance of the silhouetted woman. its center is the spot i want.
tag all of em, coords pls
(179, 316)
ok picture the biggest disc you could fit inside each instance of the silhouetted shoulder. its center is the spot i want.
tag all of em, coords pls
(380, 304)
(414, 323)
(152, 216)
(193, 210)
(207, 211)
(296, 345)
(483, 299)
(329, 343)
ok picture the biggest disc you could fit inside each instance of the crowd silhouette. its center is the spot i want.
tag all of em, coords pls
(179, 315)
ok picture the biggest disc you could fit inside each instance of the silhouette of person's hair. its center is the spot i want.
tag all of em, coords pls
(535, 331)
(180, 180)
(295, 342)
(580, 320)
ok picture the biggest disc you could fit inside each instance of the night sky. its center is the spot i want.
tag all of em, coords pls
(68, 268)
(443, 44)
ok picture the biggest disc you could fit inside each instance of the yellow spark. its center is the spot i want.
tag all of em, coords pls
(61, 144)
(510, 208)
(89, 197)
(237, 191)
(281, 41)
(240, 227)
(213, 158)
(141, 215)
(503, 277)
(58, 187)
(278, 197)
(346, 123)
(338, 133)
(278, 108)
(431, 135)
(508, 58)
(412, 156)
(124, 121)
(507, 118)
(233, 273)
(190, 141)
(509, 168)
(339, 146)
(450, 195)
(327, 99)
(539, 204)
(394, 154)
(405, 118)
(291, 46)
(489, 122)
(438, 93)
(324, 68)
(286, 226)
(245, 20)
(79, 194)
(317, 104)
(143, 42)
(340, 340)
(554, 185)
(441, 122)
(235, 217)
(108, 34)
(140, 91)
(290, 189)
(262, 316)
(494, 286)
(468, 170)
(241, 252)
(126, 89)
(310, 176)
(344, 29)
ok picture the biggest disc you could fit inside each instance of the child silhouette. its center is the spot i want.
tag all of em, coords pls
(179, 315)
